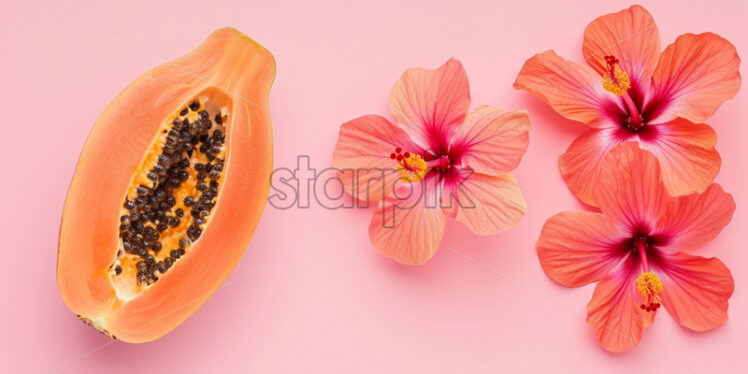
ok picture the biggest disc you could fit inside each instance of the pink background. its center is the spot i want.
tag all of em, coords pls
(311, 293)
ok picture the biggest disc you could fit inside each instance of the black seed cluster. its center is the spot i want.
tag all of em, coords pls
(151, 212)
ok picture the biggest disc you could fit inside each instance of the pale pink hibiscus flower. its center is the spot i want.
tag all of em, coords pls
(436, 160)
(637, 250)
(631, 91)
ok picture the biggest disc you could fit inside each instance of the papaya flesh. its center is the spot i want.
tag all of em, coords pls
(168, 190)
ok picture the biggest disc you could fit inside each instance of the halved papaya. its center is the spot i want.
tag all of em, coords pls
(168, 190)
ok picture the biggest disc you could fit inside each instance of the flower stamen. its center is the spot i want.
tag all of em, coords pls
(615, 80)
(648, 284)
(411, 166)
(650, 287)
(618, 82)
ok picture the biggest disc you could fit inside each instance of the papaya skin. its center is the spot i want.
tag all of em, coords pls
(235, 70)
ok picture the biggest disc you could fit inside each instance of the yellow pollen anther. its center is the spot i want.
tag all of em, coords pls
(615, 80)
(412, 168)
(619, 85)
(649, 286)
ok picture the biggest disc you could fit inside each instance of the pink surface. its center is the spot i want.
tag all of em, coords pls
(311, 293)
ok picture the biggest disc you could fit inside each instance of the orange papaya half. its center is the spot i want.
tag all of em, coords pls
(168, 190)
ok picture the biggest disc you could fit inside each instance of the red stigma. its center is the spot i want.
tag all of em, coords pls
(399, 157)
(611, 61)
(398, 150)
(406, 154)
(651, 307)
(392, 156)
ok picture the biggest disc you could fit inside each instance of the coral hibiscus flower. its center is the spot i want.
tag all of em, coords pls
(630, 91)
(436, 160)
(636, 250)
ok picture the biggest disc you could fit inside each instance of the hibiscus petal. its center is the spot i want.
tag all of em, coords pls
(492, 141)
(629, 188)
(631, 35)
(614, 314)
(409, 225)
(362, 155)
(580, 164)
(691, 221)
(688, 159)
(430, 104)
(486, 204)
(577, 248)
(574, 90)
(696, 74)
(695, 290)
